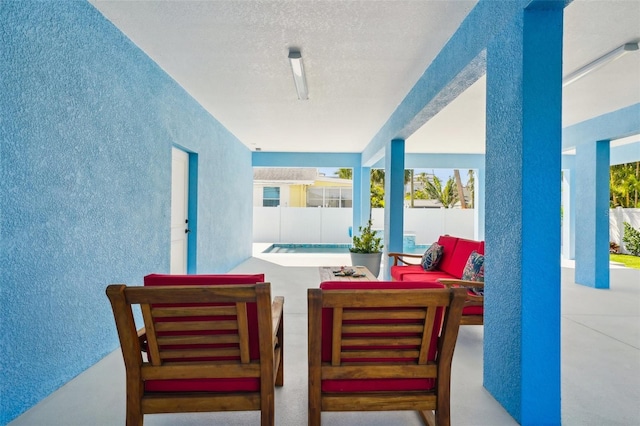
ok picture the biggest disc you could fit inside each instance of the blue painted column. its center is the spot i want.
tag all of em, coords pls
(592, 224)
(522, 225)
(365, 195)
(479, 204)
(393, 201)
(568, 212)
(361, 197)
(356, 199)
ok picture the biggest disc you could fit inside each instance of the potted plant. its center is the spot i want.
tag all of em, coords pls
(367, 249)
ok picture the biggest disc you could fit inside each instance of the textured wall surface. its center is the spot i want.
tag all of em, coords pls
(87, 126)
(523, 162)
(592, 201)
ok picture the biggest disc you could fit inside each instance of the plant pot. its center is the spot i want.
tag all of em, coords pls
(369, 260)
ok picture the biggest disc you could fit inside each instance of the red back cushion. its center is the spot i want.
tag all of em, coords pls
(455, 264)
(211, 385)
(219, 279)
(448, 244)
(371, 385)
(213, 279)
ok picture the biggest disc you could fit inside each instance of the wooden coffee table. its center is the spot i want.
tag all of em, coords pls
(326, 274)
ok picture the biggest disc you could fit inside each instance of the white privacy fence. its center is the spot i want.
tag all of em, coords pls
(331, 226)
(617, 217)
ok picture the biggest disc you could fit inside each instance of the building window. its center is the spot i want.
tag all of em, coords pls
(329, 197)
(271, 196)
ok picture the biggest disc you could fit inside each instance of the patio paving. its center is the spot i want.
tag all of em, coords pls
(600, 362)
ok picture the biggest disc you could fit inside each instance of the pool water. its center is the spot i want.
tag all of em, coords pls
(329, 248)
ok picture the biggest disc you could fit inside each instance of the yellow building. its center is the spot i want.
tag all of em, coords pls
(299, 187)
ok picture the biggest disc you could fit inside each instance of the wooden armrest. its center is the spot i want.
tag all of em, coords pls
(400, 257)
(276, 315)
(449, 282)
(473, 299)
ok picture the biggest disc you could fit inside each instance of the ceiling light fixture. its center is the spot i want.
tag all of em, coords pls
(299, 78)
(603, 60)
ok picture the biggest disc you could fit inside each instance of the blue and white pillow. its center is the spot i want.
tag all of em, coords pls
(474, 269)
(431, 257)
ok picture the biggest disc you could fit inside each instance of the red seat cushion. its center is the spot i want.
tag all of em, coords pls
(398, 272)
(373, 385)
(473, 310)
(211, 385)
(430, 276)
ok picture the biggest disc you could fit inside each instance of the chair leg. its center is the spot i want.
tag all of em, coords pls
(280, 366)
(135, 392)
(280, 372)
(134, 414)
(267, 408)
(315, 406)
(314, 416)
(428, 418)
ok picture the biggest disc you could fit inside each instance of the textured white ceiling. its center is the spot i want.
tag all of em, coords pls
(591, 29)
(361, 59)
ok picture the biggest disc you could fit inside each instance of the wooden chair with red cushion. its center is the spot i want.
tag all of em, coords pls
(473, 311)
(212, 346)
(382, 346)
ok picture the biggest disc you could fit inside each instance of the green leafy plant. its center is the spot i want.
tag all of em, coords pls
(366, 242)
(631, 239)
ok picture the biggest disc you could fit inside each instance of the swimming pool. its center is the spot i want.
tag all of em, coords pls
(328, 248)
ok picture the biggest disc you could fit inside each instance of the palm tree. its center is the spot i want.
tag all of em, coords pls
(463, 202)
(345, 173)
(472, 190)
(447, 196)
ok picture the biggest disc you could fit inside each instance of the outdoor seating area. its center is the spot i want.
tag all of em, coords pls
(452, 262)
(598, 328)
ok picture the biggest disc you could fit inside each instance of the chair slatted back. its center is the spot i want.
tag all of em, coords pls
(197, 333)
(384, 326)
(192, 327)
(380, 349)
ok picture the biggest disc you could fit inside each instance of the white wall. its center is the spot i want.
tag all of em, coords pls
(329, 225)
(617, 217)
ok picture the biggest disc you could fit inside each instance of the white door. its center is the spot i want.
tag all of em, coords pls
(179, 210)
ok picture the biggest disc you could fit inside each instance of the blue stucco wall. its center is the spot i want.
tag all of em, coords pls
(592, 227)
(523, 163)
(87, 124)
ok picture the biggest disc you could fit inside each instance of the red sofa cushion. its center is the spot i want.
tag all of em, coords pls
(399, 271)
(455, 264)
(373, 385)
(211, 385)
(448, 244)
(430, 276)
(473, 310)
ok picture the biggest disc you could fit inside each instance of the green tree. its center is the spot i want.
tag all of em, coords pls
(345, 173)
(377, 195)
(447, 196)
(624, 185)
(376, 181)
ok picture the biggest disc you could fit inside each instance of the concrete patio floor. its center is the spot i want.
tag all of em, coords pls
(600, 362)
